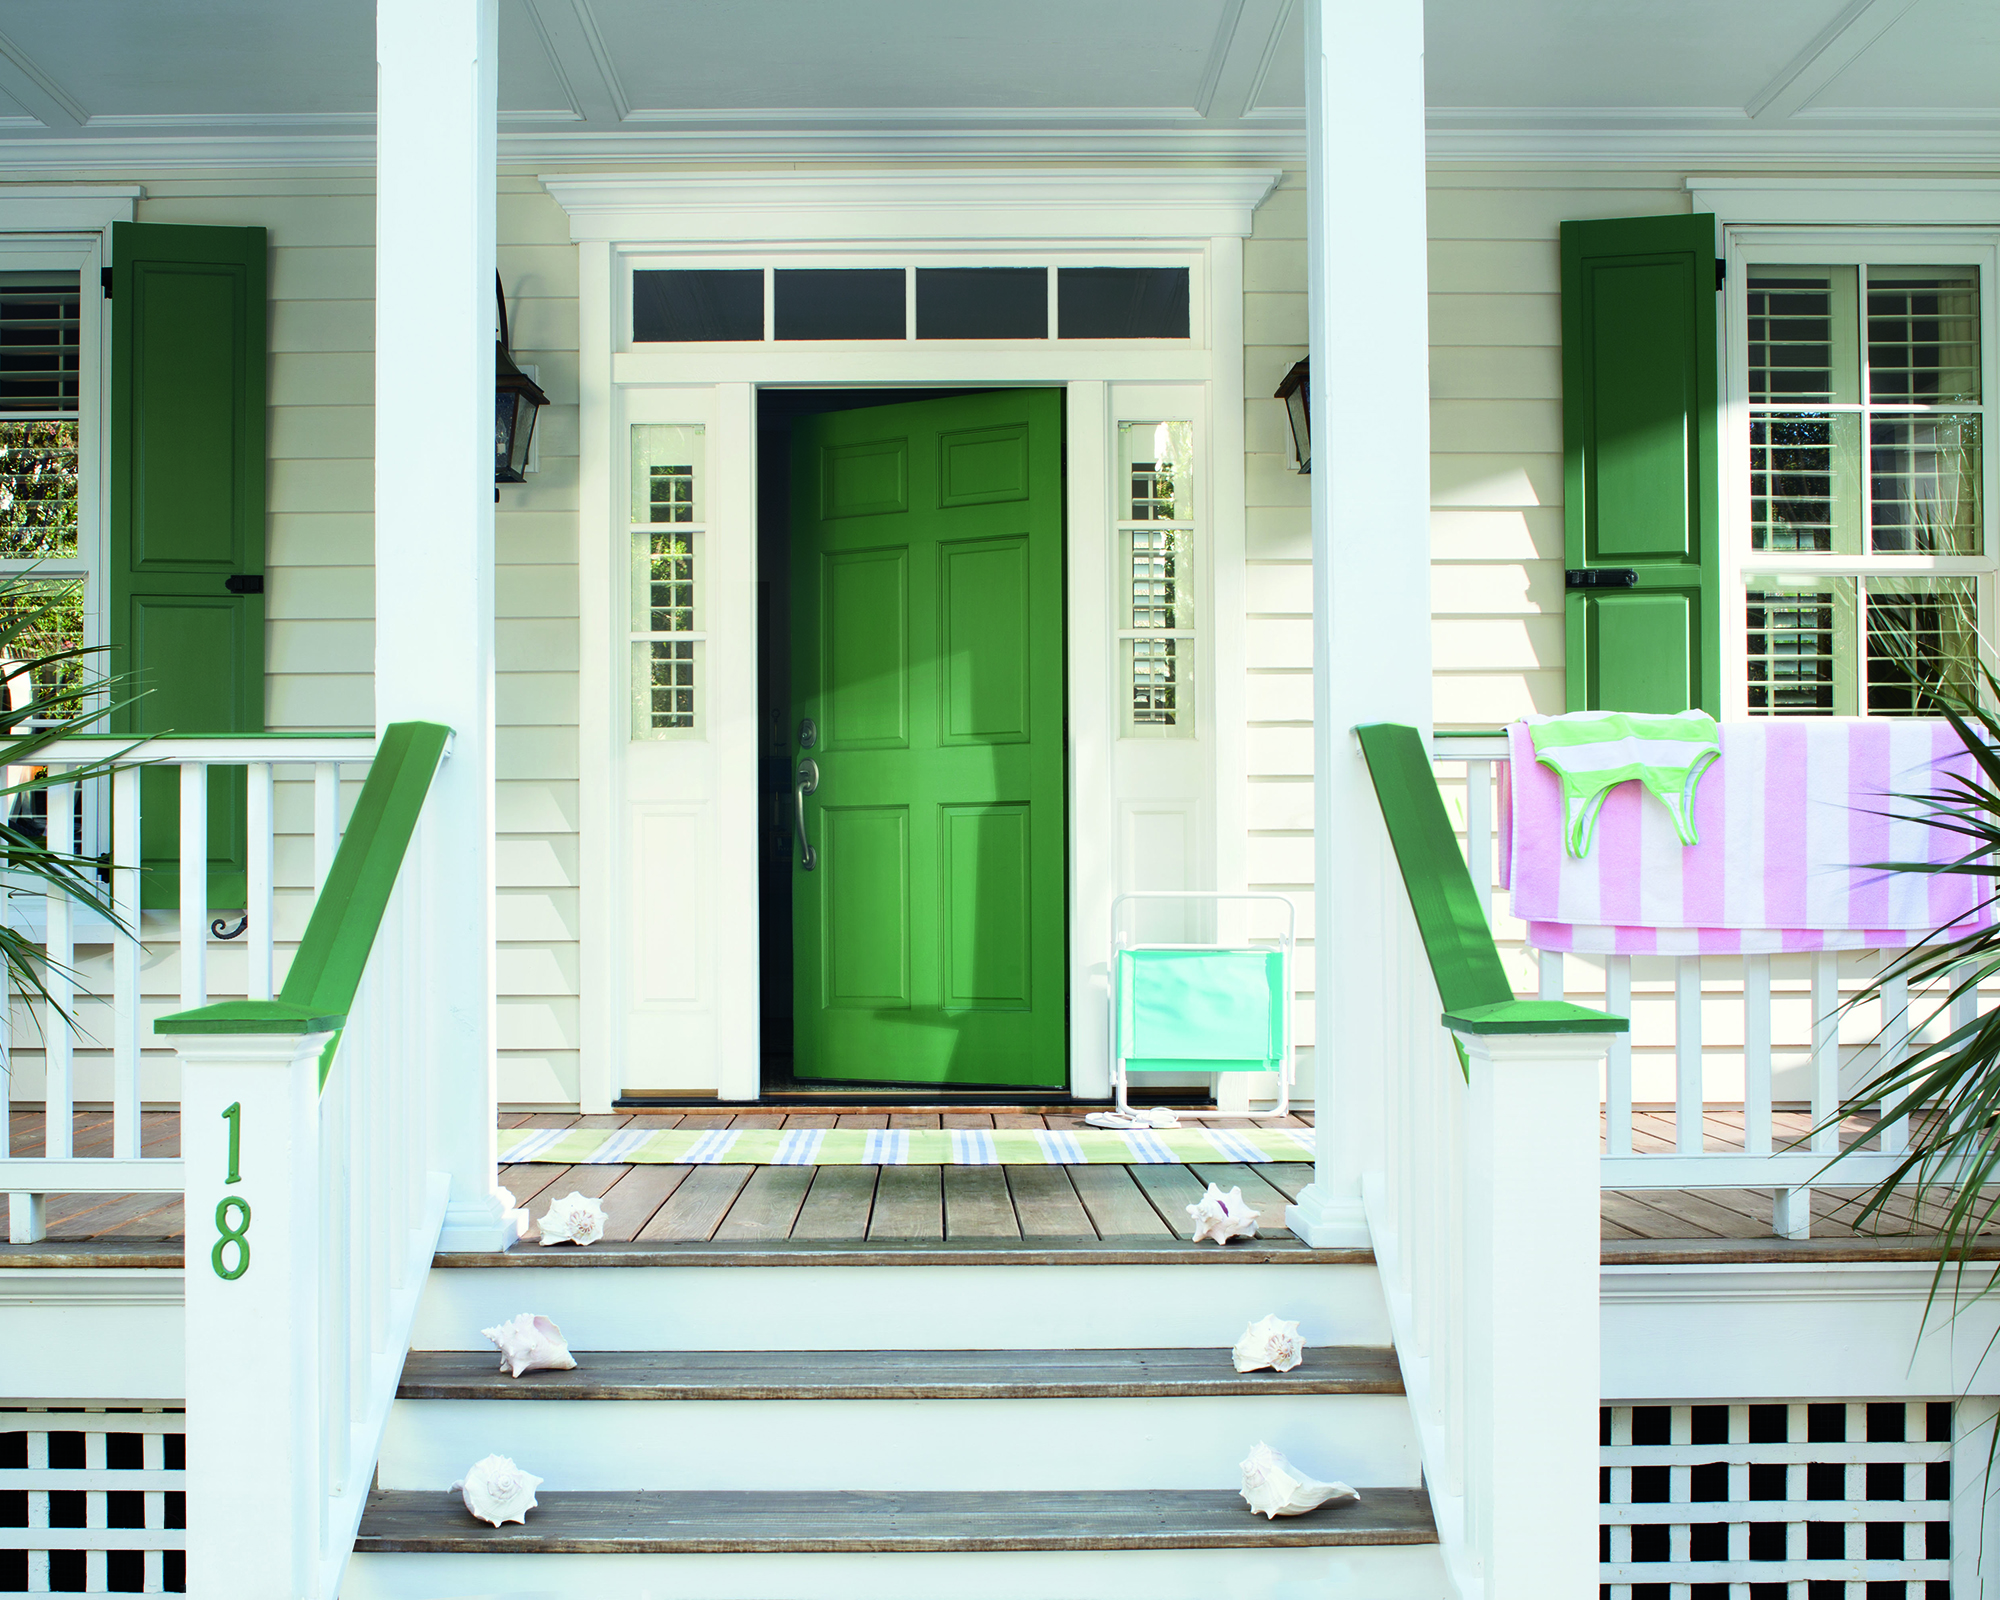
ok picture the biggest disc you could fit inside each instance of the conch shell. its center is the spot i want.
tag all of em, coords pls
(497, 1491)
(1222, 1217)
(529, 1343)
(574, 1219)
(1269, 1343)
(1272, 1485)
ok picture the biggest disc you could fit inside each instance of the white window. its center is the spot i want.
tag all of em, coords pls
(1157, 564)
(668, 537)
(1861, 367)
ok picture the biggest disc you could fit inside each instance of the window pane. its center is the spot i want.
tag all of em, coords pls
(39, 342)
(1158, 463)
(982, 302)
(840, 303)
(1162, 570)
(663, 686)
(1122, 302)
(666, 472)
(1805, 481)
(682, 306)
(1923, 634)
(1923, 335)
(663, 583)
(1802, 340)
(1160, 672)
(38, 488)
(1800, 649)
(1924, 484)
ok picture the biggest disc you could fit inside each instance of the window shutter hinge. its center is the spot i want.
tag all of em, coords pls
(104, 277)
(1720, 269)
(244, 583)
(1601, 578)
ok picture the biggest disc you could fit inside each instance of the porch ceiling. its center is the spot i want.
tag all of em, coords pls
(92, 83)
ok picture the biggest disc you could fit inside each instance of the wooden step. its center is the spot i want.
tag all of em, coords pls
(896, 1375)
(1282, 1248)
(874, 1522)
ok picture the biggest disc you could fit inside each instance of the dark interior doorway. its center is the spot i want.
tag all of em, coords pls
(776, 410)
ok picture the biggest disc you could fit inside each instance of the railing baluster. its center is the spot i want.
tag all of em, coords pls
(1687, 1056)
(127, 960)
(1825, 1050)
(1757, 1055)
(59, 978)
(258, 900)
(1549, 970)
(1479, 831)
(326, 820)
(194, 885)
(1618, 1061)
(1894, 1043)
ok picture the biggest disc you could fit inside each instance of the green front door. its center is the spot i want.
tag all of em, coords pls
(927, 700)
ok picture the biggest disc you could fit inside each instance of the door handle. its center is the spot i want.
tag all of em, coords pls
(807, 782)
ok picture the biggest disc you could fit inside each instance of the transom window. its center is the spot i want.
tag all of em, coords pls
(1869, 560)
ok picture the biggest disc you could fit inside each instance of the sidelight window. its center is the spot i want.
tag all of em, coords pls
(667, 551)
(1156, 544)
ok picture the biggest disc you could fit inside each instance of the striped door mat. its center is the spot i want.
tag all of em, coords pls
(902, 1147)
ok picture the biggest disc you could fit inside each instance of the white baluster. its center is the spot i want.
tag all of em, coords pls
(127, 960)
(59, 977)
(194, 885)
(258, 899)
(1687, 1056)
(1618, 1060)
(1894, 1045)
(1549, 969)
(1479, 831)
(326, 820)
(1757, 1055)
(1825, 1050)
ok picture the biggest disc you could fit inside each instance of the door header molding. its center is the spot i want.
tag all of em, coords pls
(1029, 203)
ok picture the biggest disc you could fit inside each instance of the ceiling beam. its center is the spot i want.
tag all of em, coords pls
(1837, 47)
(37, 93)
(1246, 41)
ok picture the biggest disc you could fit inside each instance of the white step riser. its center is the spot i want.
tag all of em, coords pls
(904, 1307)
(1160, 1443)
(1363, 1572)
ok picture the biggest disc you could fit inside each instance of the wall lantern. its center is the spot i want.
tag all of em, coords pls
(1296, 392)
(517, 398)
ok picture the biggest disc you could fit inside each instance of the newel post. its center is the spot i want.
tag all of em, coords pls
(250, 1133)
(1531, 1313)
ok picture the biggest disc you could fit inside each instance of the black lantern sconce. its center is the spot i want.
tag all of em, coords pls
(1296, 392)
(517, 399)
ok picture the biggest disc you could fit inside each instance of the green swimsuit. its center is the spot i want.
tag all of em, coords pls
(1592, 752)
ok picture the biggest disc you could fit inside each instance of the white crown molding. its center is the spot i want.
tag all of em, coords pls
(1052, 203)
(65, 207)
(1683, 135)
(1865, 201)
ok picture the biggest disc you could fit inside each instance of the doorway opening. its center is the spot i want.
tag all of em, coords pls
(920, 983)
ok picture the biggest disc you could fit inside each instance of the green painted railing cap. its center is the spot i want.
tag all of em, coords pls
(251, 1016)
(1533, 1016)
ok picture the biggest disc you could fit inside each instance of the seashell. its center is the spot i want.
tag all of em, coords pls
(574, 1219)
(1272, 1485)
(1267, 1343)
(497, 1491)
(1222, 1217)
(529, 1343)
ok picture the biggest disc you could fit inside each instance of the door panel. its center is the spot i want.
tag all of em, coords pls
(927, 649)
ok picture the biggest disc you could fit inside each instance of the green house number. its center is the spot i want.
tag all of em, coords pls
(235, 1231)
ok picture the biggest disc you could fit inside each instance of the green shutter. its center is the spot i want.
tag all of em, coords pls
(1640, 486)
(187, 515)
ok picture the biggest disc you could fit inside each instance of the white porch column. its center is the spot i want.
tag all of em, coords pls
(1369, 322)
(435, 119)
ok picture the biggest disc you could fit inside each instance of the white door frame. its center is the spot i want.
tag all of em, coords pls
(1197, 218)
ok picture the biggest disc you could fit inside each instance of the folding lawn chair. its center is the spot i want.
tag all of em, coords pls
(1211, 1007)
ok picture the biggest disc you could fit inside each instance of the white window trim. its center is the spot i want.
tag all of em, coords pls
(1760, 218)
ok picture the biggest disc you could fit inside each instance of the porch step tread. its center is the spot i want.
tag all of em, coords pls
(863, 1522)
(897, 1375)
(889, 1253)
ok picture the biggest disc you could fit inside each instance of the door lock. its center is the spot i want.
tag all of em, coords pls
(808, 733)
(806, 782)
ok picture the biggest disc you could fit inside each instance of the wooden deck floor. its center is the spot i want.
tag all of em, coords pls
(1079, 1205)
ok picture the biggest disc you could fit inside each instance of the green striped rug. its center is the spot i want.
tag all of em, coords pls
(902, 1147)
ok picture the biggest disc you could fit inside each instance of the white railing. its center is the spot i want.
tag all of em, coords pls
(1758, 1036)
(1483, 1220)
(98, 974)
(313, 1213)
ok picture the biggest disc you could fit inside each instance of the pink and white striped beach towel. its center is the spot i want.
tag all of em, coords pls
(1788, 819)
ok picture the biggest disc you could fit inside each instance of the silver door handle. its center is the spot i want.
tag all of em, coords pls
(804, 784)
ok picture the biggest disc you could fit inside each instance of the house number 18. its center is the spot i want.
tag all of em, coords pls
(233, 1231)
